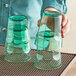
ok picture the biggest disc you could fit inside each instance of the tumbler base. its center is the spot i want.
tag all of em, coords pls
(47, 60)
(45, 68)
(17, 58)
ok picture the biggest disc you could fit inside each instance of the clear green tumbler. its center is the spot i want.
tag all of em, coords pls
(49, 41)
(17, 46)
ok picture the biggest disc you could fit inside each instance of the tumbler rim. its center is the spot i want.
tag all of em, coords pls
(18, 18)
(52, 13)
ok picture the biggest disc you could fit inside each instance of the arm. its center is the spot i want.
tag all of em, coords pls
(59, 5)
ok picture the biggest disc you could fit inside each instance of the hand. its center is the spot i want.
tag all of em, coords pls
(65, 25)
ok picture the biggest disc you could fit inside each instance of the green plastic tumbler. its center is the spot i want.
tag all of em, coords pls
(17, 46)
(49, 41)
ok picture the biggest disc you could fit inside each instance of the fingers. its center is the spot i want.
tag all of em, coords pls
(64, 20)
(66, 28)
(65, 25)
(38, 23)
